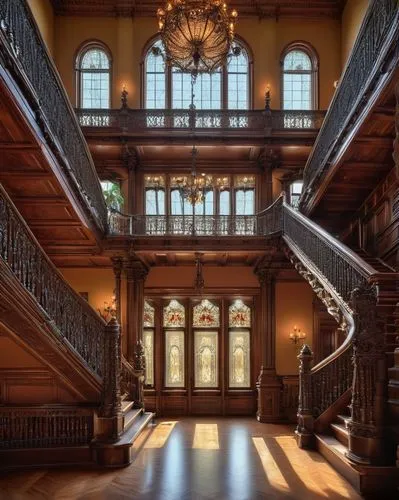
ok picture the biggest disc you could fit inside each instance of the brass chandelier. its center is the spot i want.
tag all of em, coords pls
(196, 34)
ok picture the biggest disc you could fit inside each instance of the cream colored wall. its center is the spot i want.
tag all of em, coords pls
(294, 307)
(352, 18)
(99, 283)
(44, 15)
(127, 37)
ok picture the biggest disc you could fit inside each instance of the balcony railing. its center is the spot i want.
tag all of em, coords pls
(144, 119)
(378, 34)
(28, 61)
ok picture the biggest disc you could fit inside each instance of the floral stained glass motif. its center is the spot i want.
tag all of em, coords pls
(239, 315)
(148, 338)
(206, 314)
(206, 359)
(239, 358)
(174, 315)
(174, 362)
(149, 315)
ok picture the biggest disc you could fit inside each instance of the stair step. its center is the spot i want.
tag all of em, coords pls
(343, 419)
(334, 452)
(126, 406)
(130, 417)
(341, 433)
(129, 436)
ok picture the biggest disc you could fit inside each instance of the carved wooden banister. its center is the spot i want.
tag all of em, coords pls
(69, 314)
(25, 56)
(133, 375)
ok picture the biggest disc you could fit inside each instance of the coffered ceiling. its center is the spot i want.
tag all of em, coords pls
(257, 8)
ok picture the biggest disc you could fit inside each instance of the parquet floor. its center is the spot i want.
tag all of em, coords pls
(195, 458)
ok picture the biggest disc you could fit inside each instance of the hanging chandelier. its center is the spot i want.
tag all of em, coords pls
(196, 34)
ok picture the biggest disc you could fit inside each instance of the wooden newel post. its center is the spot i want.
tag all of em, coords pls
(304, 430)
(369, 381)
(110, 413)
(139, 369)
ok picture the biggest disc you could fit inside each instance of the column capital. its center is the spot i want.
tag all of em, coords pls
(117, 266)
(135, 269)
(265, 275)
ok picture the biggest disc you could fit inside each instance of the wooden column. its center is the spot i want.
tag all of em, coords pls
(268, 384)
(117, 265)
(396, 140)
(136, 273)
(304, 430)
(131, 162)
(266, 192)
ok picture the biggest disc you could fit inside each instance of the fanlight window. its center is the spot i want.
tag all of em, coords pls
(206, 315)
(149, 315)
(299, 82)
(94, 71)
(166, 87)
(174, 315)
(239, 315)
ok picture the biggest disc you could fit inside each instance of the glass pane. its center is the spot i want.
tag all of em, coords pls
(297, 93)
(224, 202)
(95, 59)
(179, 205)
(174, 314)
(155, 76)
(206, 359)
(94, 89)
(148, 340)
(174, 358)
(297, 60)
(207, 90)
(239, 315)
(155, 202)
(238, 81)
(239, 359)
(206, 314)
(245, 202)
(149, 315)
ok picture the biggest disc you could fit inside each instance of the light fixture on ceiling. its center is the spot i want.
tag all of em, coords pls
(197, 35)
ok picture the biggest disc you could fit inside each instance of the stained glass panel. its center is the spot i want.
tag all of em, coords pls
(239, 315)
(239, 359)
(174, 358)
(206, 359)
(174, 315)
(149, 315)
(148, 339)
(206, 314)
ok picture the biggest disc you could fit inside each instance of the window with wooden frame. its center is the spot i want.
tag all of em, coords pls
(93, 76)
(299, 77)
(169, 88)
(149, 343)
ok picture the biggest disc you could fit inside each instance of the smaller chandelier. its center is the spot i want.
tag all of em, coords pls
(196, 34)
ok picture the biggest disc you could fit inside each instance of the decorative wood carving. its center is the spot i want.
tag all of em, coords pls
(111, 400)
(305, 426)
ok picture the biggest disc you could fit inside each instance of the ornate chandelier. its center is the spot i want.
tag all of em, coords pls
(193, 187)
(196, 34)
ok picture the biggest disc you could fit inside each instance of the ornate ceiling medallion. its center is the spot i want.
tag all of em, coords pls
(196, 34)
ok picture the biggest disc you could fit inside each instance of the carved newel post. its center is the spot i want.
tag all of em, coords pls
(139, 369)
(304, 430)
(110, 413)
(369, 381)
(268, 384)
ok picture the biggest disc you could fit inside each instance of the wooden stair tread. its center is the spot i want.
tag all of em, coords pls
(340, 432)
(130, 417)
(343, 419)
(126, 406)
(131, 434)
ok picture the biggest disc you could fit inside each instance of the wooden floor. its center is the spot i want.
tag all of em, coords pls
(195, 458)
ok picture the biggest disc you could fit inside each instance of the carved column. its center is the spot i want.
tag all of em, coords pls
(396, 140)
(136, 273)
(369, 381)
(111, 422)
(130, 161)
(304, 430)
(117, 265)
(268, 384)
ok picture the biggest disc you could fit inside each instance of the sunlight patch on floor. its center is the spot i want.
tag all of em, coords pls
(160, 435)
(206, 437)
(272, 470)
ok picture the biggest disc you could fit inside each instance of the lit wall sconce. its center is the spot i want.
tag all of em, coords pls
(108, 311)
(297, 337)
(267, 97)
(124, 95)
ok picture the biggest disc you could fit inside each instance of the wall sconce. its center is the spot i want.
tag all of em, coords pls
(124, 95)
(297, 337)
(267, 97)
(109, 310)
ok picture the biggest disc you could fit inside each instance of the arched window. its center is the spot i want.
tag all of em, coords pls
(299, 77)
(93, 66)
(166, 87)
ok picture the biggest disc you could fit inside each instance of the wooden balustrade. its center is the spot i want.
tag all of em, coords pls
(26, 56)
(132, 120)
(44, 427)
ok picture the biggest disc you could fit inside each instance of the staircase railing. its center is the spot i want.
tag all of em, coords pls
(366, 65)
(346, 284)
(26, 56)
